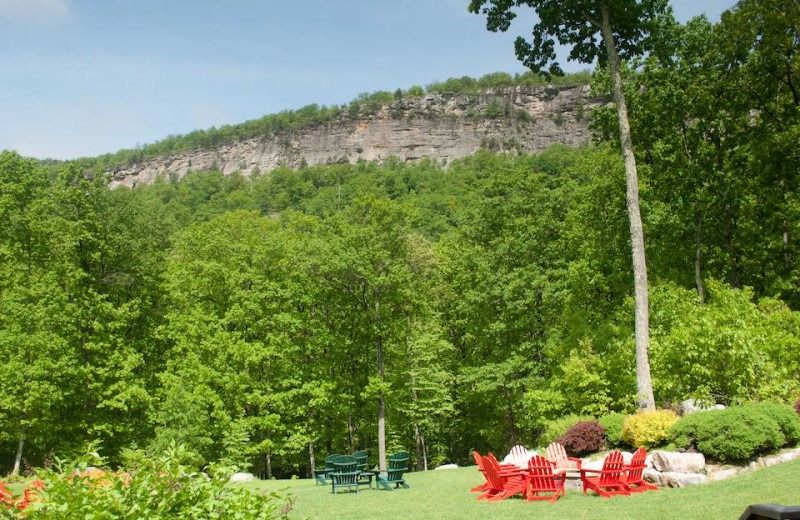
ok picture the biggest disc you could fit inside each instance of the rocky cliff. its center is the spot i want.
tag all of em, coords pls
(438, 126)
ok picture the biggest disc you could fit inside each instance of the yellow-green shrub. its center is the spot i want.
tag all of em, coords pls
(648, 429)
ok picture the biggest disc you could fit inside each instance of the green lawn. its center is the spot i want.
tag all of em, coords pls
(445, 495)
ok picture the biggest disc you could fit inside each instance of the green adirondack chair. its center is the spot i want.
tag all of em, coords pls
(321, 474)
(346, 473)
(361, 459)
(396, 466)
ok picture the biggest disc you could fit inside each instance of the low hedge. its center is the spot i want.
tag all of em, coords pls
(557, 427)
(613, 426)
(648, 429)
(738, 433)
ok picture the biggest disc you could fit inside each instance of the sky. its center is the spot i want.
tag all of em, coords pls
(86, 77)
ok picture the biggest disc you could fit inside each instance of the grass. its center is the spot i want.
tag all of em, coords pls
(444, 495)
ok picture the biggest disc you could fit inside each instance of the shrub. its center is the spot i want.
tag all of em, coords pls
(583, 437)
(159, 488)
(558, 427)
(612, 423)
(648, 429)
(797, 406)
(738, 433)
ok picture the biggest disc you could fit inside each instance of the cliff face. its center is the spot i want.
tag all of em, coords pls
(438, 126)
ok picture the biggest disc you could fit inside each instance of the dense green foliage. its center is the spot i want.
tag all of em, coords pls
(612, 425)
(154, 488)
(262, 320)
(739, 432)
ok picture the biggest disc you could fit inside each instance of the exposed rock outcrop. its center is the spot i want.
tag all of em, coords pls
(442, 127)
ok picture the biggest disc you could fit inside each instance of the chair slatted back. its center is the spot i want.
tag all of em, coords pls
(491, 470)
(396, 466)
(478, 459)
(613, 468)
(557, 454)
(519, 456)
(541, 474)
(637, 465)
(346, 470)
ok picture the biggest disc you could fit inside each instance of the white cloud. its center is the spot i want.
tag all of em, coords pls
(35, 10)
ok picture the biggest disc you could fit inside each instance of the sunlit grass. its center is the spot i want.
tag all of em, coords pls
(445, 495)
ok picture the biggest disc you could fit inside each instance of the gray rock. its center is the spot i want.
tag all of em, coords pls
(722, 474)
(678, 462)
(242, 477)
(692, 406)
(446, 466)
(441, 129)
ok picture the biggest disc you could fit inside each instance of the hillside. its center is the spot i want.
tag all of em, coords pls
(441, 126)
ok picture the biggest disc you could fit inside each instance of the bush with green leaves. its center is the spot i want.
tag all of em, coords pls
(558, 427)
(738, 433)
(648, 429)
(583, 438)
(152, 487)
(612, 423)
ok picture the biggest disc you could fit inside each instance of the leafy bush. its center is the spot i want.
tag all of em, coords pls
(558, 427)
(159, 488)
(797, 406)
(648, 429)
(738, 433)
(612, 423)
(583, 437)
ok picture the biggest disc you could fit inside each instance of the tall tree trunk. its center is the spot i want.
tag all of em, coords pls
(311, 459)
(269, 464)
(418, 446)
(698, 240)
(350, 434)
(381, 400)
(18, 458)
(644, 385)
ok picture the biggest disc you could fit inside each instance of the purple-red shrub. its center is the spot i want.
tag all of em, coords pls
(582, 438)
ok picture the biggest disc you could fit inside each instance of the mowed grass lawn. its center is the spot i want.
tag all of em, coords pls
(445, 495)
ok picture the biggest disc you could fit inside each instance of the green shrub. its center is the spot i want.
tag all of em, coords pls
(558, 427)
(738, 433)
(157, 488)
(648, 429)
(613, 425)
(583, 438)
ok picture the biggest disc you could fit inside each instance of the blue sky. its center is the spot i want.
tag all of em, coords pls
(85, 77)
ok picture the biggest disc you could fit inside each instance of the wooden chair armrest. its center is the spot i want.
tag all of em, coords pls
(576, 461)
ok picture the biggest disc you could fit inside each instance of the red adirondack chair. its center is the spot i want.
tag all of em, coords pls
(542, 480)
(558, 455)
(500, 486)
(505, 470)
(610, 480)
(479, 462)
(634, 481)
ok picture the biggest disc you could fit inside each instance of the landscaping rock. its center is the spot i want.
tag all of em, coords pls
(722, 474)
(675, 479)
(242, 477)
(671, 461)
(692, 406)
(446, 466)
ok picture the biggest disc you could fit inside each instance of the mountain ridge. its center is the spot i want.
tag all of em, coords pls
(438, 126)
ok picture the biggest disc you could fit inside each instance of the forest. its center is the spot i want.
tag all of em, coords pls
(264, 320)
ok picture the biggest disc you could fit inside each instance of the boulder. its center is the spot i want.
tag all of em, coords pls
(242, 477)
(692, 406)
(446, 466)
(678, 462)
(675, 479)
(722, 474)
